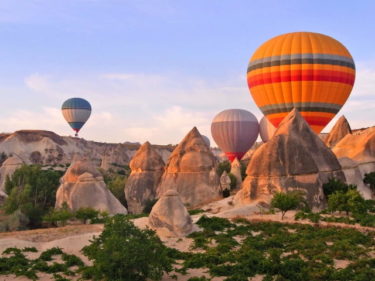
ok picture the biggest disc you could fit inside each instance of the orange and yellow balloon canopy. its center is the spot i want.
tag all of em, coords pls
(308, 71)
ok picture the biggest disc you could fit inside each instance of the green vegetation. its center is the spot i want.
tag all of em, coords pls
(286, 201)
(32, 191)
(241, 249)
(334, 185)
(343, 198)
(116, 184)
(59, 217)
(124, 252)
(223, 166)
(370, 180)
(14, 261)
(195, 212)
(233, 181)
(148, 206)
(349, 202)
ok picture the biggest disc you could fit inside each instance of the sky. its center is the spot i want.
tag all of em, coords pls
(153, 69)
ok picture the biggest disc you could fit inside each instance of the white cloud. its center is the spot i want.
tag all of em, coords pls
(163, 108)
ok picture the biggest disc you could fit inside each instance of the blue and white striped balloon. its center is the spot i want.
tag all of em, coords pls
(76, 112)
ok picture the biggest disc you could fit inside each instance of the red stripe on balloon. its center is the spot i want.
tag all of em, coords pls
(311, 120)
(233, 155)
(301, 75)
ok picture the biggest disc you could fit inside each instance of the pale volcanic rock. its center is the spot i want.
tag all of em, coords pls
(147, 167)
(9, 166)
(83, 186)
(191, 171)
(225, 181)
(48, 148)
(354, 176)
(338, 132)
(170, 217)
(236, 171)
(360, 148)
(295, 158)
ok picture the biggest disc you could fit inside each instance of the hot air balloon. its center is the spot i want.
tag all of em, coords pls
(206, 140)
(76, 112)
(266, 129)
(308, 71)
(235, 131)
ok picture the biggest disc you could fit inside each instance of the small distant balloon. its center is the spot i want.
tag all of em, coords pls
(266, 129)
(235, 131)
(76, 112)
(206, 140)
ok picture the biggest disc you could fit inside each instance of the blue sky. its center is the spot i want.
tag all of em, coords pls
(154, 69)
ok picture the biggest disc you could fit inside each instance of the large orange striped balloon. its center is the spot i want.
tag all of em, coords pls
(308, 71)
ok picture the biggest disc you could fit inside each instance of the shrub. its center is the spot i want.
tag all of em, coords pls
(86, 214)
(32, 191)
(116, 184)
(148, 206)
(370, 180)
(334, 185)
(233, 181)
(349, 202)
(287, 201)
(58, 217)
(223, 166)
(124, 252)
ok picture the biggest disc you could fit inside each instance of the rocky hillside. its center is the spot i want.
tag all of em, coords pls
(48, 148)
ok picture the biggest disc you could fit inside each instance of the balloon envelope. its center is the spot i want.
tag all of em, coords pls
(206, 140)
(308, 71)
(76, 112)
(235, 131)
(266, 129)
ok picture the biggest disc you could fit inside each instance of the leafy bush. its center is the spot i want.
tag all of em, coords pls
(195, 212)
(223, 166)
(116, 184)
(334, 185)
(124, 252)
(86, 214)
(370, 180)
(349, 202)
(233, 181)
(32, 191)
(15, 262)
(286, 201)
(58, 217)
(148, 206)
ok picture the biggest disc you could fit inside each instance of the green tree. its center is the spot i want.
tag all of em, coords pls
(124, 252)
(86, 214)
(286, 201)
(334, 185)
(31, 190)
(223, 166)
(349, 202)
(233, 181)
(370, 180)
(116, 184)
(58, 217)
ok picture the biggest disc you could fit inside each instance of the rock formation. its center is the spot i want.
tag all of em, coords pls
(147, 166)
(48, 148)
(170, 216)
(9, 166)
(236, 171)
(354, 176)
(191, 171)
(295, 158)
(360, 148)
(338, 132)
(225, 181)
(83, 186)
